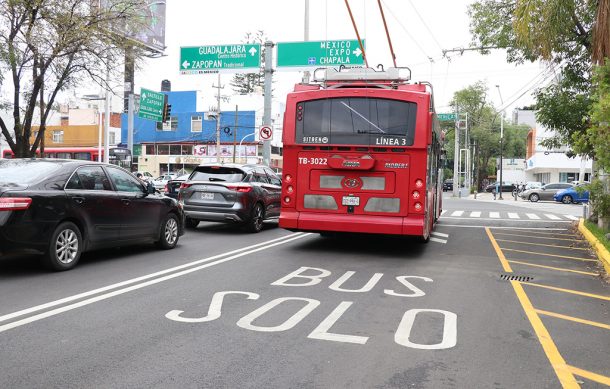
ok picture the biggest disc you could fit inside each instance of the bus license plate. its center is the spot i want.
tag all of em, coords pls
(350, 200)
(207, 196)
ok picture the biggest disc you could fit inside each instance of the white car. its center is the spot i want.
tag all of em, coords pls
(160, 182)
(146, 176)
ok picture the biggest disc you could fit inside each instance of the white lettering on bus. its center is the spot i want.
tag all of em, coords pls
(390, 141)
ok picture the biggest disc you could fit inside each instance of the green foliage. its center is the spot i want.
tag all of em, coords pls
(598, 135)
(599, 197)
(246, 83)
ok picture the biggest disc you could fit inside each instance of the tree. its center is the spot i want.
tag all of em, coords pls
(246, 83)
(48, 46)
(560, 32)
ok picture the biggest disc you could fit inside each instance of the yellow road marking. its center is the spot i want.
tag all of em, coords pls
(540, 237)
(570, 291)
(553, 268)
(542, 244)
(601, 379)
(574, 319)
(552, 255)
(566, 378)
(535, 232)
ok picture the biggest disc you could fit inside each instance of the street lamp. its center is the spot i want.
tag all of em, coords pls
(501, 141)
(242, 139)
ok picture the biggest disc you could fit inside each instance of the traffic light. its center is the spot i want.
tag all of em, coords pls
(167, 109)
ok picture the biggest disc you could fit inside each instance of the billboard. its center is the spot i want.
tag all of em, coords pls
(149, 29)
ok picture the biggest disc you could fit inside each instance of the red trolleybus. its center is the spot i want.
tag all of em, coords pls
(362, 154)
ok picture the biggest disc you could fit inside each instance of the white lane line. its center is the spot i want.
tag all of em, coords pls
(438, 240)
(118, 292)
(512, 215)
(439, 234)
(443, 211)
(475, 214)
(507, 227)
(137, 279)
(551, 216)
(511, 220)
(457, 213)
(533, 216)
(494, 214)
(572, 217)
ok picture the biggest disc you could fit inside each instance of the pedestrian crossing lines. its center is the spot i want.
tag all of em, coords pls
(506, 215)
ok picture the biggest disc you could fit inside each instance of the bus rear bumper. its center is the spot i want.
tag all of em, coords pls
(319, 222)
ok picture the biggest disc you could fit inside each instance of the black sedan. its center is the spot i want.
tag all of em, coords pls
(61, 208)
(507, 187)
(231, 193)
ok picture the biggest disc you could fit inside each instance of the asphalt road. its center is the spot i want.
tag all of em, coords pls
(228, 309)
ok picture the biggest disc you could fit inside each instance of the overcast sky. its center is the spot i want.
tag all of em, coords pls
(420, 30)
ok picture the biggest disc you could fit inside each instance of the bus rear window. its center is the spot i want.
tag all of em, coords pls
(356, 120)
(217, 173)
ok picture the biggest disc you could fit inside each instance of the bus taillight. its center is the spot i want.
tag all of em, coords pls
(418, 206)
(287, 200)
(289, 189)
(419, 183)
(415, 194)
(288, 178)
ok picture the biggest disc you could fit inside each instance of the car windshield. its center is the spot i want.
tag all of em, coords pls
(217, 173)
(25, 172)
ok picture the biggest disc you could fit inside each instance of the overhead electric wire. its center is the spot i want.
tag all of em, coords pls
(425, 25)
(430, 59)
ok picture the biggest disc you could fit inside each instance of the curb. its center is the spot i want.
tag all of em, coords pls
(602, 253)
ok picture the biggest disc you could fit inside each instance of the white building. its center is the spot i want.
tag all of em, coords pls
(549, 165)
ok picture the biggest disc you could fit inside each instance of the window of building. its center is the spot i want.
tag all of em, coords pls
(58, 136)
(174, 150)
(187, 149)
(170, 125)
(150, 150)
(111, 138)
(162, 149)
(196, 123)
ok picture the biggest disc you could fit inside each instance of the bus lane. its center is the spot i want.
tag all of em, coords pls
(557, 280)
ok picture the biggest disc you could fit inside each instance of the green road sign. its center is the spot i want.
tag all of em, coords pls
(151, 105)
(219, 58)
(319, 53)
(445, 116)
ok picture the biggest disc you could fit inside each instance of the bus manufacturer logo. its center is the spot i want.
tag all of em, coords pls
(396, 165)
(351, 183)
(351, 164)
(315, 139)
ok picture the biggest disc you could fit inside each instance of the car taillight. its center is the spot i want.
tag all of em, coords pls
(166, 189)
(184, 185)
(240, 189)
(15, 203)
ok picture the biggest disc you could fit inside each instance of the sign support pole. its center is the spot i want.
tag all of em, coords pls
(130, 109)
(456, 157)
(218, 119)
(267, 109)
(235, 134)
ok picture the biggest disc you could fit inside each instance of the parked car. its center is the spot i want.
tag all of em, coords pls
(145, 176)
(545, 192)
(231, 193)
(572, 195)
(447, 185)
(62, 208)
(507, 187)
(160, 182)
(172, 188)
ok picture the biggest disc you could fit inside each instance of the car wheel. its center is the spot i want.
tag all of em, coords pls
(255, 224)
(567, 199)
(168, 238)
(534, 197)
(65, 247)
(191, 223)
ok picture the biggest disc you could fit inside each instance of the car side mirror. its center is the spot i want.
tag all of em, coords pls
(150, 188)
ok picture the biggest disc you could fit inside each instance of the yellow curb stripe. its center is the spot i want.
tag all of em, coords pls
(601, 379)
(542, 244)
(570, 291)
(535, 232)
(552, 255)
(540, 237)
(553, 268)
(566, 378)
(600, 249)
(574, 319)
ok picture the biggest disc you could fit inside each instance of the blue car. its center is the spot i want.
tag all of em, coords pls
(572, 195)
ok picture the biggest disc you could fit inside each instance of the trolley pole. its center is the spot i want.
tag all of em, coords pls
(267, 101)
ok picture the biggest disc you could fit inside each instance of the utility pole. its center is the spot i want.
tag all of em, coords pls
(267, 101)
(501, 142)
(219, 87)
(107, 115)
(456, 156)
(235, 134)
(130, 113)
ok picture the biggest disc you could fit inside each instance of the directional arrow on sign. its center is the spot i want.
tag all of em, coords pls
(143, 96)
(358, 52)
(185, 64)
(253, 51)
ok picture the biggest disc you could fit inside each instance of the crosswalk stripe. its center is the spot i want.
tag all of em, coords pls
(512, 215)
(533, 216)
(457, 213)
(439, 234)
(494, 214)
(571, 217)
(551, 216)
(438, 240)
(475, 214)
(443, 211)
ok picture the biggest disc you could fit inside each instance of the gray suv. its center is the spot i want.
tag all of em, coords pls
(231, 193)
(545, 192)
